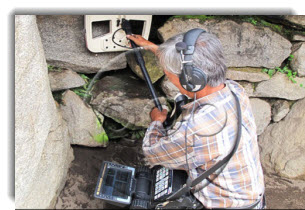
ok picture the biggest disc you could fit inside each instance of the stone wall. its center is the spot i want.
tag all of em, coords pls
(264, 54)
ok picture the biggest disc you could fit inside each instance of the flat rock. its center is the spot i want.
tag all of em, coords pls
(247, 74)
(298, 37)
(298, 61)
(64, 44)
(152, 65)
(65, 79)
(296, 19)
(262, 114)
(169, 89)
(83, 124)
(244, 44)
(282, 144)
(125, 99)
(279, 86)
(42, 147)
(279, 110)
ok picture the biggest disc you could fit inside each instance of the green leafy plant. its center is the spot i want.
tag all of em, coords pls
(138, 134)
(83, 91)
(54, 68)
(250, 20)
(285, 70)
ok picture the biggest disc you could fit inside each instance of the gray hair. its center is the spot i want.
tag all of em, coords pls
(208, 56)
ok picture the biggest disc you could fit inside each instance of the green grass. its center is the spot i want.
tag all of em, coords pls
(201, 18)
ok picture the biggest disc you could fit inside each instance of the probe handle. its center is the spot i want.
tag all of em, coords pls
(139, 58)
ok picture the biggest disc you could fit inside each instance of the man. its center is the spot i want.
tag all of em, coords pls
(211, 132)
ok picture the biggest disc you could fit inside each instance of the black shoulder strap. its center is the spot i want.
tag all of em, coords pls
(187, 187)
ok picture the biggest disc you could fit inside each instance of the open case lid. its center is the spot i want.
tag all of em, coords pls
(99, 30)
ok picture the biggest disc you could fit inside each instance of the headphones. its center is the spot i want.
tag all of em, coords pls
(191, 78)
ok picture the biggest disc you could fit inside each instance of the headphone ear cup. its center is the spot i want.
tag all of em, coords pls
(193, 82)
(186, 85)
(199, 79)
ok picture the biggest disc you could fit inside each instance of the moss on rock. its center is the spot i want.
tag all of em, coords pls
(201, 18)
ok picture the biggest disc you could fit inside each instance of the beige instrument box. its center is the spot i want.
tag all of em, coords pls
(102, 32)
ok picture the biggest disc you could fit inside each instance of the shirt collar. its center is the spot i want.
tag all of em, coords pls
(211, 98)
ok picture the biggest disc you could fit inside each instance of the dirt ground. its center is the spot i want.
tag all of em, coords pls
(83, 173)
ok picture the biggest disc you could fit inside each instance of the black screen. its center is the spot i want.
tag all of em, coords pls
(117, 183)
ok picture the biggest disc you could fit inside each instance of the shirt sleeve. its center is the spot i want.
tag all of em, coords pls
(166, 149)
(169, 148)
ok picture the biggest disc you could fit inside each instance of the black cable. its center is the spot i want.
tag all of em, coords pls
(116, 42)
(187, 125)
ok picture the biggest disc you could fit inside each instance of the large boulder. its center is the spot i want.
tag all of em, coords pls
(152, 65)
(282, 144)
(65, 79)
(42, 148)
(262, 114)
(85, 127)
(63, 39)
(246, 74)
(125, 99)
(244, 44)
(279, 86)
(298, 62)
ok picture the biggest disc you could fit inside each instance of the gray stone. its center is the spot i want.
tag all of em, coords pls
(282, 144)
(152, 65)
(125, 99)
(247, 74)
(279, 110)
(83, 124)
(279, 86)
(244, 44)
(249, 88)
(42, 148)
(63, 39)
(296, 19)
(262, 114)
(298, 37)
(298, 61)
(169, 89)
(64, 79)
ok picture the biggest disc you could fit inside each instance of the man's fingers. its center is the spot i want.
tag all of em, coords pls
(133, 37)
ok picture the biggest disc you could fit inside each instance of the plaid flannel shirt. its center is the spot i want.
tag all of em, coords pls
(241, 182)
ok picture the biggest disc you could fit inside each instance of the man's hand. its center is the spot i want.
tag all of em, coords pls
(140, 41)
(156, 115)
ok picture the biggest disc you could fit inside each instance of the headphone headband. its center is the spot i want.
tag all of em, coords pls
(190, 39)
(192, 79)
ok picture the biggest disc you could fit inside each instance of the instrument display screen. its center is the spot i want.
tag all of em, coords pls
(114, 182)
